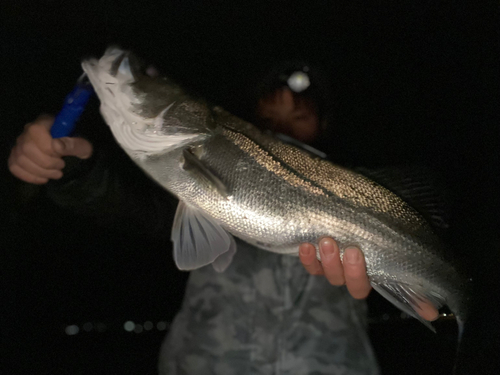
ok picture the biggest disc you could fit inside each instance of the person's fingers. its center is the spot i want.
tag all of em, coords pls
(20, 173)
(44, 120)
(24, 162)
(307, 255)
(330, 260)
(355, 275)
(43, 160)
(427, 311)
(34, 159)
(38, 133)
(67, 146)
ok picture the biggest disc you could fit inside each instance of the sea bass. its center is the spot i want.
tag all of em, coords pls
(234, 180)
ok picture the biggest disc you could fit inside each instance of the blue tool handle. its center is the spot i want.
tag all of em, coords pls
(73, 107)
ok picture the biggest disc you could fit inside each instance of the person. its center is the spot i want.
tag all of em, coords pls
(267, 313)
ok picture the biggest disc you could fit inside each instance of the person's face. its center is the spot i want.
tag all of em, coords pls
(282, 113)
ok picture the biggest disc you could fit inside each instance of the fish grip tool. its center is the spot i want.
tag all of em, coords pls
(74, 105)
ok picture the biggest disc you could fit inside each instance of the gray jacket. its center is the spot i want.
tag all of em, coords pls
(266, 315)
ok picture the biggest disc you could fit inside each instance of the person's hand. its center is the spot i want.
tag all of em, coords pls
(351, 272)
(37, 157)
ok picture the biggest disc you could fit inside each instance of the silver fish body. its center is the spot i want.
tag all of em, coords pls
(271, 194)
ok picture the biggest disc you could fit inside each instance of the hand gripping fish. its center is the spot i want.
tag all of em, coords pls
(233, 180)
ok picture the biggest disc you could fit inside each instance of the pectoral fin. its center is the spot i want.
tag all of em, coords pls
(198, 240)
(202, 173)
(406, 297)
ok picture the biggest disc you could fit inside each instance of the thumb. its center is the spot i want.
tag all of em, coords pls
(72, 146)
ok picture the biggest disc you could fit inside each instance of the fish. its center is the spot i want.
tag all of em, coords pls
(234, 180)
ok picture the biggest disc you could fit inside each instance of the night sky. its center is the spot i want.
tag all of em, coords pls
(413, 83)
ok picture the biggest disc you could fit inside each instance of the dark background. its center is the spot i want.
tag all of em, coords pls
(415, 82)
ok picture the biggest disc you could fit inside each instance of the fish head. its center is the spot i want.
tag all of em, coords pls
(147, 115)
